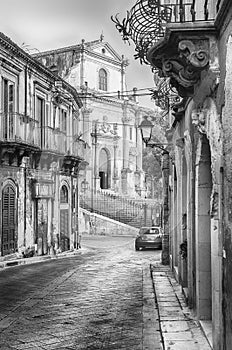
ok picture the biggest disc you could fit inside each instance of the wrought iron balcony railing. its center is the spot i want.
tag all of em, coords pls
(21, 129)
(147, 20)
(16, 127)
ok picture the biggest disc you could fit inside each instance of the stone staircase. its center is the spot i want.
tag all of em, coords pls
(130, 211)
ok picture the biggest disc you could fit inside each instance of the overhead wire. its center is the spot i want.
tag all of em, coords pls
(116, 94)
(113, 96)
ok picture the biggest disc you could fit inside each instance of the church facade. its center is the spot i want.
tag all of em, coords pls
(109, 118)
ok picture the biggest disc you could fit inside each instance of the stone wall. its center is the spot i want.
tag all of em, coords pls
(90, 223)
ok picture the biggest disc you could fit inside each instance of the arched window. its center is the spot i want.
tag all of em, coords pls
(102, 80)
(64, 194)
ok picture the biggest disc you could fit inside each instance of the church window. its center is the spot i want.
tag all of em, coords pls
(64, 194)
(102, 80)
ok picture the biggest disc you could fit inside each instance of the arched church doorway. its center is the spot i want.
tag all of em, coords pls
(104, 169)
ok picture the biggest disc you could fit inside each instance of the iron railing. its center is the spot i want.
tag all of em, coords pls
(135, 213)
(18, 128)
(164, 95)
(146, 22)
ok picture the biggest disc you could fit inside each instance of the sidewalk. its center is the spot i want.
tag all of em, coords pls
(179, 329)
(13, 260)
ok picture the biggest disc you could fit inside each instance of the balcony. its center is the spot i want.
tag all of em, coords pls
(22, 135)
(18, 128)
(177, 38)
(18, 137)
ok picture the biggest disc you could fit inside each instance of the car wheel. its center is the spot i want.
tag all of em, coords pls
(136, 247)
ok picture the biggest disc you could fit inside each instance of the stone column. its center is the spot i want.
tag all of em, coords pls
(87, 125)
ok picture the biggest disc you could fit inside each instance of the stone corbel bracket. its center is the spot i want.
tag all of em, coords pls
(196, 53)
(183, 54)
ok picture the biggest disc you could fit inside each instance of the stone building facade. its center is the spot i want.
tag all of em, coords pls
(110, 115)
(39, 155)
(195, 54)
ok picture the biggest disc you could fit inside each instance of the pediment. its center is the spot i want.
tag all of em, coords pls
(105, 50)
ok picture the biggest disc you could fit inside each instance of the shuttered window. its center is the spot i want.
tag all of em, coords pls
(8, 108)
(8, 220)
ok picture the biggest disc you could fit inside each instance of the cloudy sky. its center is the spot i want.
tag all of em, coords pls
(49, 24)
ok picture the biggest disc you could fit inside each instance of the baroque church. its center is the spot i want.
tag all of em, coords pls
(109, 118)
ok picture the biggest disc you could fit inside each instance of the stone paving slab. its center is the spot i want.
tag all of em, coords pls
(179, 329)
(181, 345)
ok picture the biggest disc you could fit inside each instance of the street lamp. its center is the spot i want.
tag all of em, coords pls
(146, 127)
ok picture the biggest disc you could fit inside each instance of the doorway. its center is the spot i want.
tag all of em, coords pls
(64, 219)
(104, 169)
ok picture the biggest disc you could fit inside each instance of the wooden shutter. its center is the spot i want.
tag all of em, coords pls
(8, 220)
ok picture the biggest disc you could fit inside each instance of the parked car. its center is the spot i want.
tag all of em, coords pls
(149, 237)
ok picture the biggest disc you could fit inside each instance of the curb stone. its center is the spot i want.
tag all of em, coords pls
(152, 339)
(36, 259)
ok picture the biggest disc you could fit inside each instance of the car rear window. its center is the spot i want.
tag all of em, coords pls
(147, 231)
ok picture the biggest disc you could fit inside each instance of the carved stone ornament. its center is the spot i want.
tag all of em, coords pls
(107, 128)
(182, 59)
(196, 52)
(183, 74)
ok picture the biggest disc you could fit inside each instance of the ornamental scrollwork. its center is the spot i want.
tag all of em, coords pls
(195, 52)
(184, 75)
(184, 64)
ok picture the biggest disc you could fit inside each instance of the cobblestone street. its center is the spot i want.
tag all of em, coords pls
(93, 300)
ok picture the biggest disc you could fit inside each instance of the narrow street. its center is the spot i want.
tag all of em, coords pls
(92, 300)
